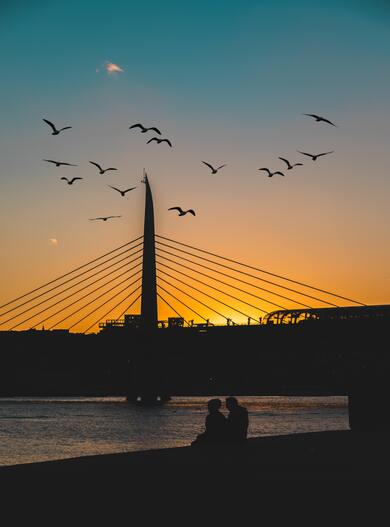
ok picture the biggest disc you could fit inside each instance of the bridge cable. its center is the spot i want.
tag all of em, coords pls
(97, 298)
(128, 307)
(74, 285)
(71, 304)
(81, 274)
(173, 309)
(181, 302)
(194, 298)
(48, 308)
(103, 304)
(215, 288)
(91, 292)
(200, 302)
(215, 299)
(213, 278)
(263, 271)
(112, 309)
(70, 272)
(228, 276)
(252, 276)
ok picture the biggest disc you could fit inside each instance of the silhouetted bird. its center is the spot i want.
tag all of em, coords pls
(55, 131)
(59, 163)
(289, 165)
(102, 170)
(270, 174)
(71, 181)
(144, 129)
(182, 212)
(104, 218)
(160, 141)
(213, 170)
(122, 192)
(314, 156)
(318, 118)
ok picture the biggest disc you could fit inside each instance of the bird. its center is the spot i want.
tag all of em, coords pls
(102, 170)
(160, 141)
(270, 174)
(182, 212)
(71, 181)
(318, 118)
(213, 170)
(144, 129)
(314, 156)
(122, 192)
(104, 218)
(55, 131)
(59, 163)
(289, 165)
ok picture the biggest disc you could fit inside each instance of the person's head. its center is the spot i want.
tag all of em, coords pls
(231, 403)
(214, 405)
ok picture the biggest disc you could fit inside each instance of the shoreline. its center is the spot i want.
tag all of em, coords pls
(281, 479)
(315, 456)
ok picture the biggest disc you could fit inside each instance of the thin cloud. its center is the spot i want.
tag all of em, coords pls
(111, 68)
(53, 241)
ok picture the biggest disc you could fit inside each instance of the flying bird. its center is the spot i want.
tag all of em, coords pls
(71, 181)
(289, 165)
(213, 170)
(314, 156)
(159, 141)
(55, 131)
(144, 129)
(59, 163)
(122, 192)
(318, 118)
(182, 212)
(270, 174)
(102, 170)
(104, 218)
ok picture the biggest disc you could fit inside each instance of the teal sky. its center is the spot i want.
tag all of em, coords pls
(227, 81)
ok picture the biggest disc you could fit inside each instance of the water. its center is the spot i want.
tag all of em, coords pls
(41, 429)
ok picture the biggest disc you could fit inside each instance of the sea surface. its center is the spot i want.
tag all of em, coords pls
(40, 429)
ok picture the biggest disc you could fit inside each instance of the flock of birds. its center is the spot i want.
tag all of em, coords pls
(143, 129)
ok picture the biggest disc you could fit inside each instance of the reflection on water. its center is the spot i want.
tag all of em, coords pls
(38, 429)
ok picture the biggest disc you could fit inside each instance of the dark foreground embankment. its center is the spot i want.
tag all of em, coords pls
(277, 465)
(340, 455)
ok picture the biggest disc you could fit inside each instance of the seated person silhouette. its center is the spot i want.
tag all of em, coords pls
(216, 430)
(237, 421)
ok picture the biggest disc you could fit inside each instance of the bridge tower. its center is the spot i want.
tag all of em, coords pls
(149, 316)
(147, 378)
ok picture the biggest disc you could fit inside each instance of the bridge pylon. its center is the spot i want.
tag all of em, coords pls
(146, 383)
(149, 313)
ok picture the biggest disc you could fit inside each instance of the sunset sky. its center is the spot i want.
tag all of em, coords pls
(227, 82)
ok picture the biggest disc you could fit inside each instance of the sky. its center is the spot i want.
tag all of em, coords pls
(226, 82)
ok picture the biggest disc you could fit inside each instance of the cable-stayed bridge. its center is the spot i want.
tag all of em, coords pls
(191, 282)
(229, 326)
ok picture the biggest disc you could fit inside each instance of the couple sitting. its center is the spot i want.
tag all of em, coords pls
(224, 430)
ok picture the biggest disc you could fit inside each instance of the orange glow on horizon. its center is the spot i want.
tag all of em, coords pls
(193, 293)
